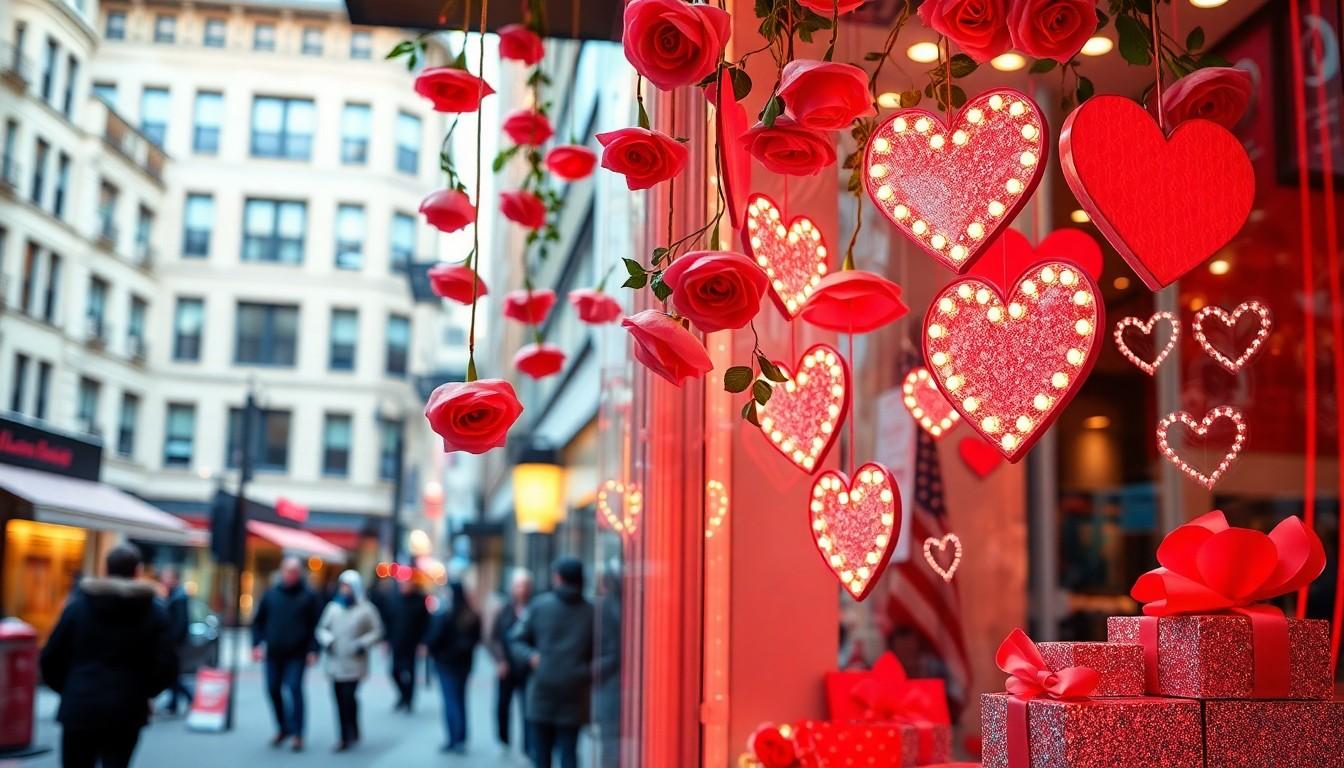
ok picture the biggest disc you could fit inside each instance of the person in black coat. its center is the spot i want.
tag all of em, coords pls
(555, 638)
(408, 619)
(285, 625)
(453, 634)
(179, 624)
(512, 675)
(108, 656)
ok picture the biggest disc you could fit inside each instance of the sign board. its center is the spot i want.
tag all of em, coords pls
(210, 705)
(24, 444)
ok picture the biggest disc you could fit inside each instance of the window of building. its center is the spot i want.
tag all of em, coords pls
(361, 44)
(336, 434)
(40, 172)
(263, 37)
(344, 339)
(108, 196)
(115, 26)
(135, 327)
(188, 329)
(130, 416)
(62, 185)
(106, 93)
(349, 236)
(198, 220)
(389, 448)
(282, 127)
(179, 434)
(53, 292)
(28, 285)
(9, 171)
(312, 41)
(71, 81)
(356, 122)
(53, 55)
(43, 388)
(273, 230)
(95, 309)
(403, 241)
(215, 31)
(267, 334)
(144, 228)
(86, 407)
(165, 28)
(154, 107)
(18, 390)
(398, 344)
(408, 143)
(209, 116)
(269, 445)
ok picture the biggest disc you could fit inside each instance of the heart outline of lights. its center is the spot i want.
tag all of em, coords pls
(953, 212)
(808, 408)
(716, 506)
(793, 256)
(1147, 328)
(926, 403)
(632, 505)
(855, 526)
(941, 543)
(1201, 428)
(970, 332)
(1230, 320)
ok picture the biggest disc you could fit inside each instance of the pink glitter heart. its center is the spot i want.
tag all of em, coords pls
(794, 256)
(855, 526)
(930, 409)
(803, 416)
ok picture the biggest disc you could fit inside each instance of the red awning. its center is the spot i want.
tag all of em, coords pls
(62, 500)
(296, 541)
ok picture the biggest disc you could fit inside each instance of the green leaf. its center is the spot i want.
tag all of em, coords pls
(1041, 66)
(660, 289)
(1102, 20)
(1085, 89)
(749, 413)
(634, 268)
(643, 116)
(761, 391)
(658, 254)
(770, 370)
(741, 83)
(713, 238)
(962, 65)
(461, 61)
(1195, 40)
(872, 56)
(1133, 41)
(909, 99)
(636, 281)
(737, 378)
(1213, 60)
(772, 110)
(400, 49)
(958, 96)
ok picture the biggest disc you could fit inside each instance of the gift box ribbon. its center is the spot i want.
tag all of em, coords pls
(887, 694)
(1029, 677)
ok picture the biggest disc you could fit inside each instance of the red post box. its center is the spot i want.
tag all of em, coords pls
(18, 683)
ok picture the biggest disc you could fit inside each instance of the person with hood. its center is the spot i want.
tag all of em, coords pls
(408, 619)
(347, 631)
(108, 656)
(555, 639)
(283, 630)
(453, 634)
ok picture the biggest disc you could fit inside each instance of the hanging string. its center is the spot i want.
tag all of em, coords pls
(1157, 65)
(476, 219)
(672, 182)
(946, 51)
(854, 401)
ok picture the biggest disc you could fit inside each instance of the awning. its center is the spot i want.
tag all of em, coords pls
(63, 500)
(296, 541)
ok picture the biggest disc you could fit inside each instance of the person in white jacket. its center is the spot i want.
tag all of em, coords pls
(347, 631)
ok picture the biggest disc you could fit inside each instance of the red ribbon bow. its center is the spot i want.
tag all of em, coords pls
(1030, 677)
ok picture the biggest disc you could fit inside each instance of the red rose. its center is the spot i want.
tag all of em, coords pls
(594, 307)
(539, 360)
(452, 90)
(673, 43)
(527, 127)
(716, 289)
(1051, 29)
(570, 162)
(978, 27)
(529, 307)
(823, 95)
(453, 281)
(770, 747)
(665, 347)
(524, 208)
(448, 210)
(642, 156)
(519, 43)
(1219, 94)
(788, 148)
(827, 7)
(473, 416)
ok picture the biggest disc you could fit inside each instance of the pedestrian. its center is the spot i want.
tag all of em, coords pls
(347, 631)
(108, 656)
(555, 639)
(512, 675)
(283, 633)
(408, 621)
(607, 669)
(179, 623)
(453, 634)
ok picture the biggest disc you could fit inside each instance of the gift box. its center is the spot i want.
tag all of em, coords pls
(1213, 656)
(1282, 734)
(826, 744)
(1131, 732)
(886, 695)
(1120, 665)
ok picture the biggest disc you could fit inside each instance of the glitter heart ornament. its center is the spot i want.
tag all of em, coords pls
(1230, 321)
(927, 404)
(1010, 365)
(803, 416)
(1201, 429)
(855, 526)
(1147, 328)
(631, 502)
(954, 189)
(941, 544)
(793, 255)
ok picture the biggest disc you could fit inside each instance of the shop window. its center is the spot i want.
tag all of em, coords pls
(179, 435)
(344, 339)
(269, 449)
(130, 417)
(349, 236)
(267, 334)
(188, 327)
(398, 344)
(273, 230)
(336, 435)
(282, 127)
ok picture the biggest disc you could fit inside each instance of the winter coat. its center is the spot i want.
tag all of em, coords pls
(408, 620)
(500, 631)
(346, 633)
(179, 617)
(557, 627)
(454, 632)
(286, 620)
(109, 654)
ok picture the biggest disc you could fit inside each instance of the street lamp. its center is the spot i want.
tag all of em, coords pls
(538, 490)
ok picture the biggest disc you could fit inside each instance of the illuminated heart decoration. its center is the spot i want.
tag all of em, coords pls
(953, 190)
(1012, 253)
(1166, 203)
(803, 416)
(930, 409)
(1201, 429)
(1248, 307)
(632, 503)
(1147, 329)
(1009, 367)
(856, 526)
(716, 506)
(793, 257)
(978, 456)
(941, 543)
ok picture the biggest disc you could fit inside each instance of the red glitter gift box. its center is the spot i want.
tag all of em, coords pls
(885, 695)
(824, 744)
(1282, 734)
(1211, 656)
(1119, 664)
(1131, 732)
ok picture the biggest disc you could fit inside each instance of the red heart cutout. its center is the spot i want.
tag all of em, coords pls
(978, 456)
(1009, 366)
(793, 256)
(953, 190)
(1165, 203)
(803, 416)
(855, 526)
(930, 409)
(1012, 253)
